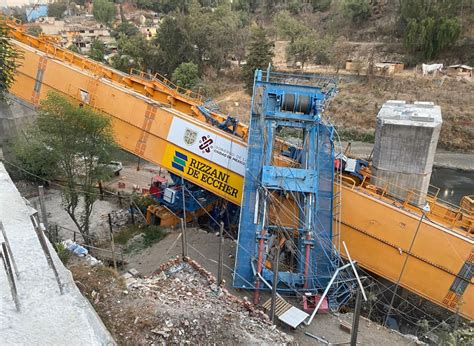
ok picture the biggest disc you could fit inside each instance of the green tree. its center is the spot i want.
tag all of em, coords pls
(103, 11)
(429, 27)
(74, 48)
(175, 45)
(78, 139)
(303, 49)
(135, 52)
(126, 28)
(357, 10)
(290, 27)
(57, 9)
(259, 55)
(33, 156)
(309, 48)
(9, 57)
(186, 75)
(97, 51)
(34, 30)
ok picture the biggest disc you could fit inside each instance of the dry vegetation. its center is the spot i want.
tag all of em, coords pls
(355, 107)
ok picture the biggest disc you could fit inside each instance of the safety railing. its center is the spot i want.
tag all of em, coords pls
(167, 83)
(452, 216)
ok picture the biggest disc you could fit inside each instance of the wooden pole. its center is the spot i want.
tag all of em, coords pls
(132, 214)
(112, 244)
(183, 224)
(355, 319)
(44, 216)
(184, 245)
(101, 190)
(221, 254)
(275, 281)
(9, 249)
(119, 198)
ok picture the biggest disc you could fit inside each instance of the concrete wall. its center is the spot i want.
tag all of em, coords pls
(406, 137)
(15, 115)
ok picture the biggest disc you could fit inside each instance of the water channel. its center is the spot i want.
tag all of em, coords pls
(453, 183)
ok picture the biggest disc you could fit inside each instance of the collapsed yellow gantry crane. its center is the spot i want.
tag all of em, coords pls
(151, 118)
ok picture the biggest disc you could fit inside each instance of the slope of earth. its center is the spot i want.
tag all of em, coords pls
(355, 107)
(179, 305)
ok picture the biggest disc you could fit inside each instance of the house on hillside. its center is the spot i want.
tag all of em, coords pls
(460, 70)
(389, 67)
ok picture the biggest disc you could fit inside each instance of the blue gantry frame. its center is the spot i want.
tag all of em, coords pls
(296, 102)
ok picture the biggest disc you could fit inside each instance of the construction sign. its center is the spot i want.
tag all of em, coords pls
(223, 182)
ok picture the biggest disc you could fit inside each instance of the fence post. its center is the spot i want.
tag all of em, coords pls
(183, 239)
(132, 213)
(275, 281)
(101, 190)
(9, 249)
(355, 319)
(47, 253)
(119, 198)
(221, 255)
(112, 244)
(44, 216)
(11, 279)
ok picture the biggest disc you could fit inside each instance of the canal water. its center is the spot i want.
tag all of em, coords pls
(453, 183)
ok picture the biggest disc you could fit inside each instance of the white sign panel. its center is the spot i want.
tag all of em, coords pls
(208, 145)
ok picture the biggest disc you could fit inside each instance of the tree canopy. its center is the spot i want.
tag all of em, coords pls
(71, 141)
(429, 27)
(97, 51)
(186, 75)
(57, 9)
(8, 61)
(260, 54)
(103, 11)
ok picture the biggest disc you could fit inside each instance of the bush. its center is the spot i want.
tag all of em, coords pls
(143, 202)
(152, 235)
(321, 5)
(357, 10)
(186, 75)
(127, 233)
(63, 253)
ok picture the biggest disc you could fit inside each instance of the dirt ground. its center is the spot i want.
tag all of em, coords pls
(203, 247)
(179, 305)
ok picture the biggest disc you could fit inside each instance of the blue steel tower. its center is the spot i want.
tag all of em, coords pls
(288, 195)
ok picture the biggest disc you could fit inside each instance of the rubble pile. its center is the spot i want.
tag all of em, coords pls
(119, 217)
(191, 308)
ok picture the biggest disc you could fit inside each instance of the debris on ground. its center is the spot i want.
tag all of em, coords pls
(119, 217)
(180, 303)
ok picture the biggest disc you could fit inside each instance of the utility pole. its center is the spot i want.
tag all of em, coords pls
(112, 243)
(44, 216)
(221, 255)
(275, 281)
(355, 319)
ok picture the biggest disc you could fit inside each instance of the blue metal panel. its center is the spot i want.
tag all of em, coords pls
(289, 179)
